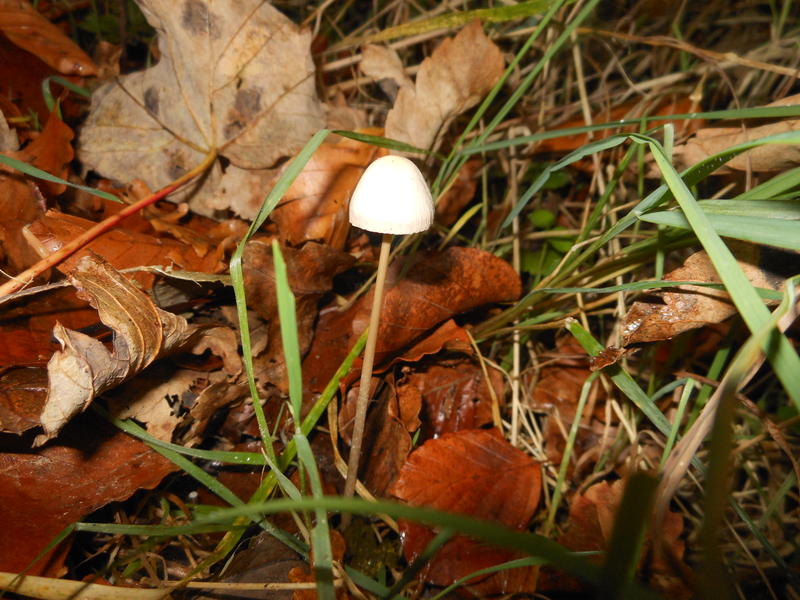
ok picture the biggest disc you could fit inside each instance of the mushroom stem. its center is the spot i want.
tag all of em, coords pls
(366, 369)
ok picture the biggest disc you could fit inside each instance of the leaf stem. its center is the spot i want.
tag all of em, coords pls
(24, 278)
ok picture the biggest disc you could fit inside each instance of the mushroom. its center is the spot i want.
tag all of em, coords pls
(391, 198)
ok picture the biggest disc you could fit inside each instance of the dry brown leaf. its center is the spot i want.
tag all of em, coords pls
(762, 159)
(44, 491)
(84, 367)
(123, 249)
(26, 28)
(589, 527)
(689, 307)
(315, 207)
(310, 270)
(450, 81)
(217, 87)
(478, 473)
(436, 287)
(21, 201)
(383, 62)
(455, 396)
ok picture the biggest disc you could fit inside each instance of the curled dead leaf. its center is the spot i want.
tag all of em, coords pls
(84, 367)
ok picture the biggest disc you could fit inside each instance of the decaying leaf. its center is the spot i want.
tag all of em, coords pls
(84, 367)
(310, 270)
(589, 526)
(767, 158)
(450, 81)
(123, 249)
(218, 87)
(689, 307)
(26, 28)
(315, 207)
(455, 395)
(437, 286)
(22, 394)
(44, 491)
(21, 201)
(474, 472)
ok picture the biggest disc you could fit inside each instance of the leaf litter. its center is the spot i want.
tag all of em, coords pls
(145, 348)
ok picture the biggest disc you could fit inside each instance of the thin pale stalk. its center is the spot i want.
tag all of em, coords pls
(366, 369)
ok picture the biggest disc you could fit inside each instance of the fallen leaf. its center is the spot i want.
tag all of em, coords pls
(123, 249)
(42, 492)
(689, 307)
(591, 520)
(22, 201)
(85, 368)
(217, 88)
(315, 207)
(310, 270)
(450, 81)
(21, 76)
(389, 442)
(22, 394)
(437, 286)
(455, 395)
(472, 472)
(26, 326)
(556, 393)
(451, 204)
(766, 158)
(26, 28)
(383, 64)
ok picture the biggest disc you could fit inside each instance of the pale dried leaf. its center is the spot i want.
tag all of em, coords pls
(84, 367)
(382, 62)
(762, 159)
(453, 79)
(689, 307)
(218, 87)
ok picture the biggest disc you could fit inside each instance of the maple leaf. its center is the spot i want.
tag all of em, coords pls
(234, 78)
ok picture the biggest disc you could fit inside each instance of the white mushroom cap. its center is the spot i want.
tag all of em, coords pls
(392, 197)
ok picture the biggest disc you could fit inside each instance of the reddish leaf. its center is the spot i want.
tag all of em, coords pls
(26, 28)
(455, 396)
(21, 76)
(437, 286)
(121, 248)
(44, 491)
(311, 270)
(472, 472)
(589, 526)
(557, 392)
(21, 201)
(26, 330)
(22, 394)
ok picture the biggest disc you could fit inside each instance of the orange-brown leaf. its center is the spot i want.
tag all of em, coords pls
(474, 472)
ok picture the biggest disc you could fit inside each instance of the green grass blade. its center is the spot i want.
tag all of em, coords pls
(773, 231)
(782, 355)
(237, 274)
(32, 171)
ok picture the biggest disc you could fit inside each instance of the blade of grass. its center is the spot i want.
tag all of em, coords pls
(779, 350)
(320, 533)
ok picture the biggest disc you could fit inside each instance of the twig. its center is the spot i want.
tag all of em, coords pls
(24, 278)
